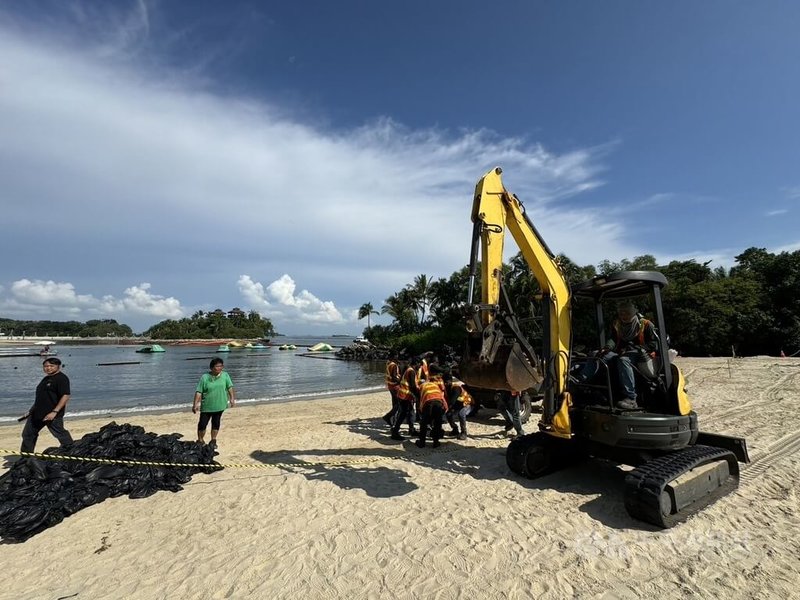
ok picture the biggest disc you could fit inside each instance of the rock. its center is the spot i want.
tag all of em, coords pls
(363, 351)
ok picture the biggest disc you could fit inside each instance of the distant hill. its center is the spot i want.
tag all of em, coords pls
(94, 328)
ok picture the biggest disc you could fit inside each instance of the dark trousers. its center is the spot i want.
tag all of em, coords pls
(510, 411)
(389, 416)
(457, 410)
(33, 426)
(432, 414)
(404, 411)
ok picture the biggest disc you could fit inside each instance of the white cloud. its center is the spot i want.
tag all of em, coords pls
(791, 192)
(253, 293)
(152, 176)
(49, 293)
(139, 301)
(54, 300)
(655, 199)
(787, 248)
(280, 301)
(720, 257)
(775, 213)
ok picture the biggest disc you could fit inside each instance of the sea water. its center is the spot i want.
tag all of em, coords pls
(168, 380)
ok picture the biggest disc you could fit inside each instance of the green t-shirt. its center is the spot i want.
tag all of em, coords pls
(214, 391)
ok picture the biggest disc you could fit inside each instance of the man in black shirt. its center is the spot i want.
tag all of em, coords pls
(52, 395)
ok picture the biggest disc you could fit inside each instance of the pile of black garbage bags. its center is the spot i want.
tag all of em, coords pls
(38, 493)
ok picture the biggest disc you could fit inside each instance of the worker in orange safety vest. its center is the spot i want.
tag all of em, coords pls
(392, 378)
(459, 403)
(407, 394)
(433, 403)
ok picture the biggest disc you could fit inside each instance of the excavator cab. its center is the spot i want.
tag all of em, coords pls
(654, 376)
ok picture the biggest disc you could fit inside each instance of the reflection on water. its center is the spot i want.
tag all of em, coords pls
(169, 379)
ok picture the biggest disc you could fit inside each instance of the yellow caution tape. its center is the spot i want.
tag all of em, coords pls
(299, 463)
(110, 461)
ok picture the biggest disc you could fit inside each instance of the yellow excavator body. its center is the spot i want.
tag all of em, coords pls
(678, 469)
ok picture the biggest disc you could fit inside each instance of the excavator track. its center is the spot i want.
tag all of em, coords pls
(667, 490)
(538, 454)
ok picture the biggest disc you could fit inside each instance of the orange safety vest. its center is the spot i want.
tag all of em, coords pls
(643, 323)
(404, 389)
(432, 391)
(423, 370)
(463, 395)
(392, 375)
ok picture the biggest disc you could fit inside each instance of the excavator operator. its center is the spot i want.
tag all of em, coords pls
(632, 344)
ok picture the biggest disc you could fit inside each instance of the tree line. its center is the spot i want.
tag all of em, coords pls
(201, 325)
(751, 309)
(213, 324)
(93, 328)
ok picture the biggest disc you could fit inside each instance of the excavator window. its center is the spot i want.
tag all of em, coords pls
(602, 387)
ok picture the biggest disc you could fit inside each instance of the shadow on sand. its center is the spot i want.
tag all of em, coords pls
(360, 468)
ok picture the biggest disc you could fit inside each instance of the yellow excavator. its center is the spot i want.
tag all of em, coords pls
(677, 469)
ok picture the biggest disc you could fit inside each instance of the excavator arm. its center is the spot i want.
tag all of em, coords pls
(498, 355)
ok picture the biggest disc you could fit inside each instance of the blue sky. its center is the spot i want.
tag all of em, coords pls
(303, 158)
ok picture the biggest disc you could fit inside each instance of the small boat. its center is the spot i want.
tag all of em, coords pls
(224, 348)
(362, 341)
(154, 349)
(321, 347)
(258, 347)
(288, 347)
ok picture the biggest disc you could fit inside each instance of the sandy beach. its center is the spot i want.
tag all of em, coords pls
(375, 518)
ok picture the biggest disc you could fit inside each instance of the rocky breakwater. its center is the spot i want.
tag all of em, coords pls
(363, 351)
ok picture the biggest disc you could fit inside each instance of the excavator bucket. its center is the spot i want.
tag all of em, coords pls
(507, 369)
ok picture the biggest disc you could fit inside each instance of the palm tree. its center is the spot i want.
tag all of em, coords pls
(420, 295)
(399, 306)
(445, 299)
(365, 311)
(395, 305)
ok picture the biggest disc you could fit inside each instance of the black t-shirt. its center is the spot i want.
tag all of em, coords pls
(48, 393)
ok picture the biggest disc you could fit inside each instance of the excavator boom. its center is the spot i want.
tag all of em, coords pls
(498, 355)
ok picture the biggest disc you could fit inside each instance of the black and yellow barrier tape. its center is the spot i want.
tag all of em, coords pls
(107, 461)
(263, 465)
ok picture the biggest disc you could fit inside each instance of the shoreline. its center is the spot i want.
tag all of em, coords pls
(184, 422)
(316, 501)
(180, 408)
(142, 341)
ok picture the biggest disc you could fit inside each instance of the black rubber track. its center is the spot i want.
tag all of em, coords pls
(539, 454)
(517, 452)
(645, 484)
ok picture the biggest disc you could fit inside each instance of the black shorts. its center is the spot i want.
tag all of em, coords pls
(205, 417)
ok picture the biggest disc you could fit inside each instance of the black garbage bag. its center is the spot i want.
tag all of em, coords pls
(38, 493)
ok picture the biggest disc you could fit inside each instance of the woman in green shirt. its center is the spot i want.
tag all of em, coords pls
(211, 398)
